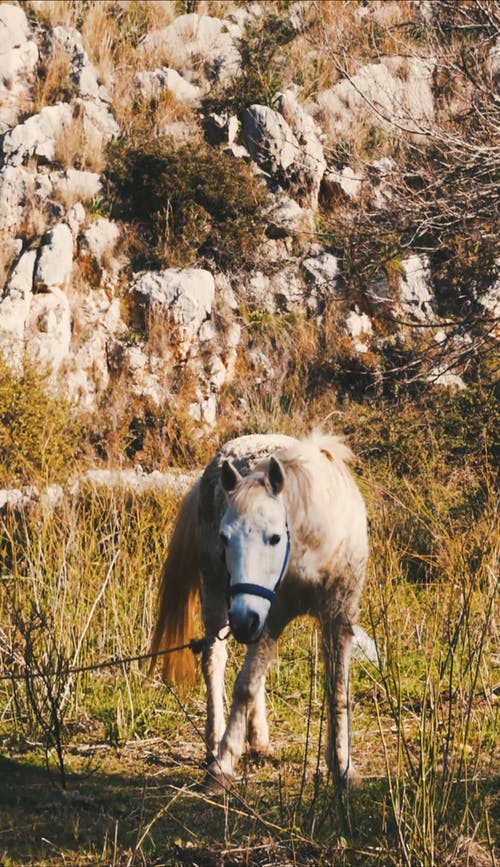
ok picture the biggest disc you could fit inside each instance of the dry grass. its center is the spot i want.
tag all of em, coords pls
(53, 82)
(58, 12)
(80, 146)
(423, 724)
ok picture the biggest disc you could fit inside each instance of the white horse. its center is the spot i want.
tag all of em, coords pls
(274, 528)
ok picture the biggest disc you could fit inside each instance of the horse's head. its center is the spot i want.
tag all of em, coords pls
(256, 544)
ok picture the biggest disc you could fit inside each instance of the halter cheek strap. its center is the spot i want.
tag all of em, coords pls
(258, 589)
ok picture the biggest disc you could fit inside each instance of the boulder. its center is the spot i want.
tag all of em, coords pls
(204, 409)
(287, 218)
(311, 165)
(101, 238)
(416, 295)
(396, 91)
(99, 124)
(15, 185)
(358, 325)
(287, 289)
(270, 141)
(18, 58)
(83, 73)
(152, 84)
(259, 291)
(88, 373)
(186, 294)
(346, 180)
(75, 217)
(210, 40)
(284, 143)
(73, 185)
(15, 309)
(49, 328)
(322, 270)
(97, 320)
(55, 262)
(38, 135)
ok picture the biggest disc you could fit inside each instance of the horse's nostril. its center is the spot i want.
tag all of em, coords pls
(246, 628)
(254, 623)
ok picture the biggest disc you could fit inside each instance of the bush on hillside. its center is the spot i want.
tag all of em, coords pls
(39, 435)
(187, 203)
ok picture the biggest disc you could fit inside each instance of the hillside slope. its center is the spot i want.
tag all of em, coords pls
(209, 208)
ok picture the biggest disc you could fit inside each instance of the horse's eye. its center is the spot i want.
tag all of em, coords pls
(274, 539)
(223, 538)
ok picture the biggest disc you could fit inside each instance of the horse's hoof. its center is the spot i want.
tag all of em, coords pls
(354, 781)
(216, 782)
(350, 781)
(259, 752)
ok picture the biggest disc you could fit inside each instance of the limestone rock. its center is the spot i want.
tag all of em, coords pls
(287, 289)
(83, 72)
(287, 218)
(284, 143)
(311, 166)
(15, 308)
(204, 409)
(97, 320)
(75, 217)
(259, 291)
(38, 135)
(270, 140)
(98, 123)
(18, 57)
(399, 91)
(15, 186)
(188, 294)
(74, 185)
(415, 289)
(151, 84)
(55, 262)
(101, 238)
(211, 40)
(322, 270)
(346, 180)
(358, 325)
(49, 329)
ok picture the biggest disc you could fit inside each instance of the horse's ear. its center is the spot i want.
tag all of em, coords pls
(275, 476)
(229, 476)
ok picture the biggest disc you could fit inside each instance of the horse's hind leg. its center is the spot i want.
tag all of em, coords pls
(338, 637)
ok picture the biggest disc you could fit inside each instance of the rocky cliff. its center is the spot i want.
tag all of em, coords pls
(194, 196)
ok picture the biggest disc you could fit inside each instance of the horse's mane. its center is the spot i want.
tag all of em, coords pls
(302, 461)
(302, 464)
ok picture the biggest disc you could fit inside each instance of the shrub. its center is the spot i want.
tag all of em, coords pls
(39, 436)
(190, 202)
(263, 66)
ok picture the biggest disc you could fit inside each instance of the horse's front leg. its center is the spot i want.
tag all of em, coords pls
(248, 698)
(214, 659)
(258, 729)
(338, 638)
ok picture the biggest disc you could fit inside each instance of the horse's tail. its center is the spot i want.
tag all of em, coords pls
(178, 596)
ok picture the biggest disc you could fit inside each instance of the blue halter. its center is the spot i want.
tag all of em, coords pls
(257, 589)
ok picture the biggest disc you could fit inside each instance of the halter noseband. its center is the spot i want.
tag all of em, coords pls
(257, 589)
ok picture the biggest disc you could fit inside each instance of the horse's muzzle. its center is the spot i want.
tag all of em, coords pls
(246, 629)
